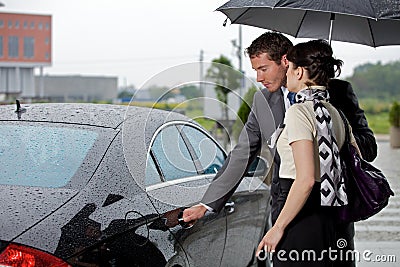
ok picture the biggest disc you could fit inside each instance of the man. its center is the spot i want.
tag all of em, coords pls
(268, 58)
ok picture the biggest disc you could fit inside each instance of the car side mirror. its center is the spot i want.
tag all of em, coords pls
(259, 167)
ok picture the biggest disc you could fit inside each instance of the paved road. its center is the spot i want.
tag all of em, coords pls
(378, 238)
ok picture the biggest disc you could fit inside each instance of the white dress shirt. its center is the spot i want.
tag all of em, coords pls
(285, 92)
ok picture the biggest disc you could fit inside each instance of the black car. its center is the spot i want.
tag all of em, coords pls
(104, 185)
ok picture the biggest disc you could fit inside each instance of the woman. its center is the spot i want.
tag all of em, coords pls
(309, 172)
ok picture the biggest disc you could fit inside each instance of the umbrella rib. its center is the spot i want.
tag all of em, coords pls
(301, 22)
(241, 15)
(372, 34)
(373, 9)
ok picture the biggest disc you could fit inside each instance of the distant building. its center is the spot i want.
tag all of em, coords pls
(25, 44)
(78, 88)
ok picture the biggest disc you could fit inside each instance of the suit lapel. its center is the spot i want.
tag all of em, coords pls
(276, 104)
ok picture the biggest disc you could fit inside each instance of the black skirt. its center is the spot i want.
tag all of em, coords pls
(313, 236)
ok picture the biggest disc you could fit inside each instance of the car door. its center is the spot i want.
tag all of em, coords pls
(113, 223)
(181, 182)
(245, 210)
(246, 221)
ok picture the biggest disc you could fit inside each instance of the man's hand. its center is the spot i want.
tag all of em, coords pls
(194, 213)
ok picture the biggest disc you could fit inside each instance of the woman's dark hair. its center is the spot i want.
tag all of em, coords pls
(273, 43)
(316, 57)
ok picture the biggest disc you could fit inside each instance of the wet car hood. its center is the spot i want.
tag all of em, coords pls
(23, 207)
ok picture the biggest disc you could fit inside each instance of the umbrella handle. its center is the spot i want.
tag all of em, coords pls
(332, 19)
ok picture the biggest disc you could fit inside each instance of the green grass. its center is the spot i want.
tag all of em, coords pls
(197, 114)
(377, 113)
(379, 123)
(206, 123)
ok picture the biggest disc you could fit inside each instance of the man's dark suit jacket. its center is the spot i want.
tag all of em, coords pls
(267, 114)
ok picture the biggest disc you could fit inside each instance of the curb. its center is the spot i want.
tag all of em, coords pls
(382, 137)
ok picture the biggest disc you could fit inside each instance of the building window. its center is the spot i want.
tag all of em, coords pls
(13, 46)
(32, 25)
(40, 26)
(46, 40)
(10, 24)
(47, 26)
(1, 23)
(16, 24)
(25, 24)
(29, 44)
(1, 46)
(47, 55)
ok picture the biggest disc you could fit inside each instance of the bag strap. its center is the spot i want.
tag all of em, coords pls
(346, 126)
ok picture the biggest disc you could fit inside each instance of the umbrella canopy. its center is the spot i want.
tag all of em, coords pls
(369, 22)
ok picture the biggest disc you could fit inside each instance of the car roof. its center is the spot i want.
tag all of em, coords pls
(102, 115)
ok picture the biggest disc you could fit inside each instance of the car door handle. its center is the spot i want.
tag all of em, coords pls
(182, 223)
(230, 207)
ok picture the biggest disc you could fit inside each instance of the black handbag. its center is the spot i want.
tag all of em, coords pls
(367, 188)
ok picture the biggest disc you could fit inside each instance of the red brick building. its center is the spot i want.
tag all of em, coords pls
(25, 44)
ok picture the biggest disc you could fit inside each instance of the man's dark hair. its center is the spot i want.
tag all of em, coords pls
(273, 43)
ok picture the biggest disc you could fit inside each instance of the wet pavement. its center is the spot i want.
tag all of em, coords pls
(377, 239)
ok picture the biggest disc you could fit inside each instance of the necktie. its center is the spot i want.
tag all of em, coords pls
(291, 96)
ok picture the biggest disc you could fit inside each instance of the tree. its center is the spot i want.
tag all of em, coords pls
(191, 91)
(125, 94)
(379, 81)
(226, 79)
(243, 112)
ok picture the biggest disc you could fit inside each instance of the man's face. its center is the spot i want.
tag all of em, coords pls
(292, 81)
(269, 73)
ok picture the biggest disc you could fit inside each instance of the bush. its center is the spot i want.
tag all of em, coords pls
(394, 114)
(374, 106)
(243, 112)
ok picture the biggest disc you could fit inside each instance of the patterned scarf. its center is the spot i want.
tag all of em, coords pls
(333, 191)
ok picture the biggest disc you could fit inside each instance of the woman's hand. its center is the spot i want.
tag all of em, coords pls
(270, 240)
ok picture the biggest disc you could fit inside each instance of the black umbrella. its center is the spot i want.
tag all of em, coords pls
(369, 22)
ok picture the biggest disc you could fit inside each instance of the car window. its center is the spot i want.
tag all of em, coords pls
(209, 154)
(40, 155)
(172, 155)
(152, 175)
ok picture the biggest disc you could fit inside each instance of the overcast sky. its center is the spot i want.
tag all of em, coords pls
(135, 40)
